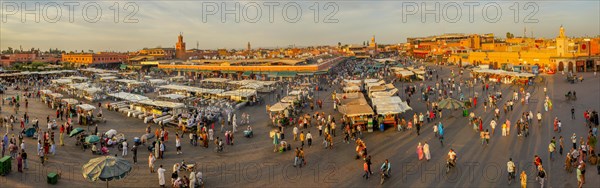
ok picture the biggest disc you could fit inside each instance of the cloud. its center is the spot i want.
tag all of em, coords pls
(159, 23)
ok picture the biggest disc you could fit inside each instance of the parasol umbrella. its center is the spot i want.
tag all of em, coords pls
(450, 103)
(92, 139)
(75, 131)
(30, 132)
(106, 169)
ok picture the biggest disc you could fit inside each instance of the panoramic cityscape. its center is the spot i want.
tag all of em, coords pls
(299, 93)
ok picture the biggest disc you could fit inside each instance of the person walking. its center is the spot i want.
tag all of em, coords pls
(560, 144)
(580, 174)
(541, 176)
(551, 149)
(510, 167)
(504, 129)
(20, 163)
(420, 151)
(61, 134)
(366, 170)
(493, 125)
(309, 138)
(523, 179)
(296, 156)
(426, 151)
(151, 160)
(574, 140)
(125, 149)
(178, 144)
(302, 138)
(572, 112)
(295, 133)
(134, 150)
(24, 157)
(41, 154)
(369, 162)
(161, 176)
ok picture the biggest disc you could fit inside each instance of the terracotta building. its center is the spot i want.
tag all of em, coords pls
(87, 59)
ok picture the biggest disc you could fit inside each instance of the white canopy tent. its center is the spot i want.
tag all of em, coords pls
(86, 107)
(157, 81)
(55, 95)
(196, 90)
(105, 74)
(128, 96)
(129, 82)
(351, 89)
(164, 104)
(61, 81)
(45, 91)
(280, 106)
(356, 110)
(108, 78)
(240, 94)
(216, 80)
(70, 101)
(173, 96)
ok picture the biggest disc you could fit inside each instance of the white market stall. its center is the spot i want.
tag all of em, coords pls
(128, 96)
(280, 106)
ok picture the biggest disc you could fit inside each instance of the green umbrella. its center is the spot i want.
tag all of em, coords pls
(92, 139)
(450, 103)
(75, 131)
(106, 169)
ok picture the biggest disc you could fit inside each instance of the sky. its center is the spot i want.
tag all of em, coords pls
(96, 25)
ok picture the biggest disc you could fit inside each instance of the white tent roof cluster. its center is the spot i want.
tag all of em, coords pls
(165, 104)
(39, 73)
(352, 81)
(239, 93)
(216, 80)
(62, 81)
(96, 70)
(173, 96)
(70, 101)
(105, 74)
(85, 87)
(128, 96)
(192, 89)
(55, 95)
(157, 81)
(108, 78)
(128, 81)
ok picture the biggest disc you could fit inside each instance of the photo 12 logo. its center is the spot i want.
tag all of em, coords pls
(271, 11)
(453, 12)
(61, 11)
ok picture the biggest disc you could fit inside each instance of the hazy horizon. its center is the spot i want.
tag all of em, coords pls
(157, 23)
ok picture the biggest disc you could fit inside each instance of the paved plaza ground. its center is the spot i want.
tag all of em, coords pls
(251, 162)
